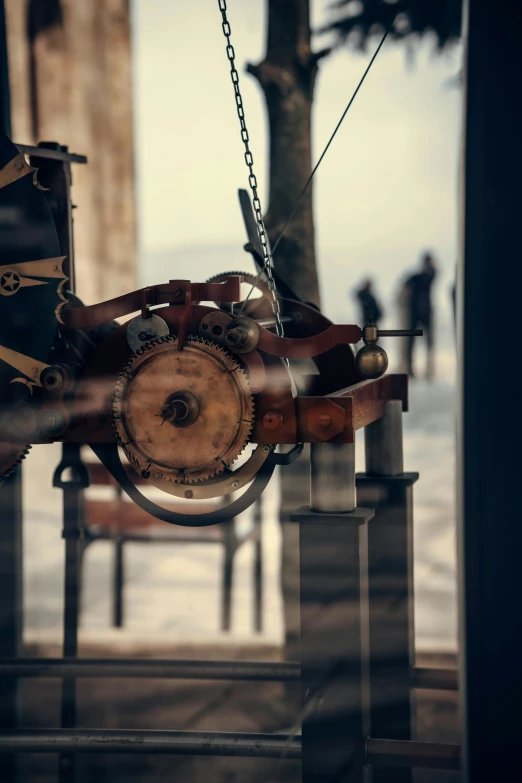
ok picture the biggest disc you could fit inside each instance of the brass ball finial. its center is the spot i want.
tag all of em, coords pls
(371, 360)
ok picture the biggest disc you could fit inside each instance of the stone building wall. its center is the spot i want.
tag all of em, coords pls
(71, 82)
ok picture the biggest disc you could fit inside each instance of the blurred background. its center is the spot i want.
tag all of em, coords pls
(143, 89)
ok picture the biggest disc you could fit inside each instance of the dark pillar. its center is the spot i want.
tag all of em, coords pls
(334, 620)
(118, 583)
(258, 565)
(72, 477)
(229, 551)
(387, 489)
(490, 431)
(11, 619)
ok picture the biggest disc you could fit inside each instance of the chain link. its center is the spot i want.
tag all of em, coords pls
(249, 160)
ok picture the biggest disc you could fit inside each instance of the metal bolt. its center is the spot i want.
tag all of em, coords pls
(266, 449)
(324, 420)
(242, 335)
(51, 379)
(189, 494)
(272, 420)
(238, 337)
(235, 484)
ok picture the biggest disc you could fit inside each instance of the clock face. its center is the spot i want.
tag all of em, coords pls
(31, 277)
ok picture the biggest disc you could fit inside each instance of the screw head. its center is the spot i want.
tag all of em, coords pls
(272, 420)
(235, 484)
(324, 420)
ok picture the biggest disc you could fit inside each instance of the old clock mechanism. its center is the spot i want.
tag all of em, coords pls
(200, 384)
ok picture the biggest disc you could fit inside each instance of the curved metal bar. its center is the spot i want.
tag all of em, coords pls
(221, 485)
(108, 455)
(306, 347)
(175, 292)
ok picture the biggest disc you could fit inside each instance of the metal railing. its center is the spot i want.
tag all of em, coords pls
(352, 649)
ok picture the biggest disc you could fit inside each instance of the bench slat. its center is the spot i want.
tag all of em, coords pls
(119, 516)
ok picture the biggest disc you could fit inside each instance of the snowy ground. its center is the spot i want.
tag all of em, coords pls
(173, 591)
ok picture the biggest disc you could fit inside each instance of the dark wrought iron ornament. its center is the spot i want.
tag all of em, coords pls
(31, 283)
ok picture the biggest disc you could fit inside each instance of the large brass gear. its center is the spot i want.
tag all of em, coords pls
(182, 415)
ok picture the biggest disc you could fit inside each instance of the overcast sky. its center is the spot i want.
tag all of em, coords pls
(386, 190)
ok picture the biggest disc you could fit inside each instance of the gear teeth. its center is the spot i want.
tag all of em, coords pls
(17, 459)
(248, 278)
(220, 465)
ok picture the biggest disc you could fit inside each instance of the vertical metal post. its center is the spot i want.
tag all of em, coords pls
(490, 431)
(118, 583)
(11, 618)
(383, 443)
(258, 565)
(11, 562)
(332, 477)
(334, 630)
(388, 489)
(72, 477)
(229, 550)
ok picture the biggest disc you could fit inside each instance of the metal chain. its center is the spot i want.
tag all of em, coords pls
(249, 160)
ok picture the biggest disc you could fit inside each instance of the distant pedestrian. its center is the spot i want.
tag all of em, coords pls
(453, 295)
(416, 297)
(370, 309)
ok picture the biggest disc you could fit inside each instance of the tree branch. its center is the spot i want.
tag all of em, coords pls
(316, 56)
(253, 70)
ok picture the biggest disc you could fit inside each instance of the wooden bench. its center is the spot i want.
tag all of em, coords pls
(118, 520)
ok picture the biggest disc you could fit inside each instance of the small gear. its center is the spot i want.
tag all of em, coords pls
(11, 455)
(182, 415)
(251, 281)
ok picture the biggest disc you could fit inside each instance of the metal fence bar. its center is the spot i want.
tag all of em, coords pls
(435, 679)
(402, 753)
(151, 668)
(379, 752)
(201, 743)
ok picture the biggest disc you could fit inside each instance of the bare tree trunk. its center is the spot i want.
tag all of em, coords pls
(287, 77)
